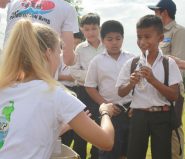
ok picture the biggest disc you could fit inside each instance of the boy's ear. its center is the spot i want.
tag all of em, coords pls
(81, 29)
(161, 37)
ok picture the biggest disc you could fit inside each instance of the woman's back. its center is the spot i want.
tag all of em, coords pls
(35, 115)
(33, 109)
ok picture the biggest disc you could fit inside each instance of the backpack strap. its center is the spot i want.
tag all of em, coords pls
(134, 64)
(166, 70)
(166, 82)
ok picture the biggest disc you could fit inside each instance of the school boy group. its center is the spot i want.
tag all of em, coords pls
(103, 73)
(138, 88)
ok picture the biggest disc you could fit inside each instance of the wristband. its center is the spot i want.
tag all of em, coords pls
(105, 113)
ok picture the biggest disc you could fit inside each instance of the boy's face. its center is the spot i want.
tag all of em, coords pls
(91, 32)
(148, 39)
(113, 42)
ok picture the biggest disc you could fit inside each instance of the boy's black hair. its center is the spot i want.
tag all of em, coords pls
(111, 26)
(90, 18)
(150, 21)
(79, 35)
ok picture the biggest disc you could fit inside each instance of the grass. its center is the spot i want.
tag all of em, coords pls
(148, 152)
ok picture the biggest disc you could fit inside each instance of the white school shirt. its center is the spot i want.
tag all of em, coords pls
(64, 70)
(103, 72)
(58, 14)
(149, 96)
(36, 117)
(84, 54)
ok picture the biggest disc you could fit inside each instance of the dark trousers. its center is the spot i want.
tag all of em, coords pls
(121, 127)
(68, 137)
(80, 145)
(145, 124)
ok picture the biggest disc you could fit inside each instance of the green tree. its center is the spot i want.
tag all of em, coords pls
(77, 5)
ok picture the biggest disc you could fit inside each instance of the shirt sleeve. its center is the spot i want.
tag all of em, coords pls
(71, 21)
(67, 106)
(76, 71)
(92, 77)
(124, 75)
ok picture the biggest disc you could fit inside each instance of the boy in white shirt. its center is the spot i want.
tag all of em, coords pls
(66, 79)
(85, 52)
(151, 104)
(102, 74)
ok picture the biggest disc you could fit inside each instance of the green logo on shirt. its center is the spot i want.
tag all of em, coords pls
(5, 118)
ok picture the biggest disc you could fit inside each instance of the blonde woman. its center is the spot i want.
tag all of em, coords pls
(33, 108)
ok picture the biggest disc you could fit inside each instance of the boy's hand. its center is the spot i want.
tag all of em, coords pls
(134, 78)
(116, 110)
(107, 107)
(147, 73)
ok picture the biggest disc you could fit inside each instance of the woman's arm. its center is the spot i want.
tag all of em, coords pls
(67, 127)
(100, 136)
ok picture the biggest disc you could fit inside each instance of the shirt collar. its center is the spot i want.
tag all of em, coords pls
(106, 53)
(86, 44)
(170, 25)
(159, 56)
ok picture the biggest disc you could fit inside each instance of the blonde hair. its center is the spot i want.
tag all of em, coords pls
(24, 53)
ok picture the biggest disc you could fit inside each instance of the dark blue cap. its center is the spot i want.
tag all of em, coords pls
(169, 5)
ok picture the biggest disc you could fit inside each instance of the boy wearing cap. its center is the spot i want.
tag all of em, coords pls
(172, 44)
(174, 34)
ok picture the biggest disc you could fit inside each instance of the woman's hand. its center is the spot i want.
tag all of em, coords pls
(107, 108)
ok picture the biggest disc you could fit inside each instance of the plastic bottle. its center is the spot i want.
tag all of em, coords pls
(142, 82)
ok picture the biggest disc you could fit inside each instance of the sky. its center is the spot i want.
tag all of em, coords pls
(127, 12)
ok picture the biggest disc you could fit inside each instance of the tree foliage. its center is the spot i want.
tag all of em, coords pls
(77, 5)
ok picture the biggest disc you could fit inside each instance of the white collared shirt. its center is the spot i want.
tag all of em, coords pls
(150, 96)
(84, 54)
(64, 70)
(103, 72)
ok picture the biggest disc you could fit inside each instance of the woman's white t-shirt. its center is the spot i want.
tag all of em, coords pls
(31, 117)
